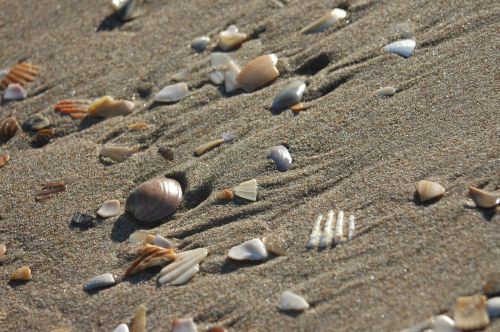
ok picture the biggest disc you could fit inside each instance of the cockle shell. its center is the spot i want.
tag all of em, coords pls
(231, 38)
(22, 73)
(172, 93)
(251, 250)
(109, 208)
(493, 307)
(247, 190)
(119, 153)
(199, 44)
(290, 95)
(470, 312)
(185, 266)
(428, 190)
(8, 128)
(15, 91)
(403, 47)
(121, 328)
(281, 157)
(290, 301)
(154, 200)
(139, 321)
(22, 274)
(483, 198)
(107, 107)
(100, 281)
(150, 256)
(326, 21)
(184, 325)
(258, 72)
(385, 91)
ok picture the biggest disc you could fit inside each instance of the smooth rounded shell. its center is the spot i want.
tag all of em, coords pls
(154, 200)
(258, 72)
(281, 157)
(290, 95)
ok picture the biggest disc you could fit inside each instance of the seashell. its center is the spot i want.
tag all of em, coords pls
(15, 91)
(217, 77)
(225, 194)
(126, 10)
(290, 301)
(76, 108)
(4, 158)
(184, 325)
(23, 274)
(493, 307)
(386, 91)
(185, 267)
(166, 152)
(138, 126)
(314, 238)
(232, 71)
(219, 62)
(225, 138)
(149, 239)
(160, 241)
(231, 38)
(483, 198)
(3, 250)
(325, 21)
(3, 73)
(172, 93)
(82, 220)
(109, 208)
(103, 280)
(251, 250)
(258, 72)
(137, 237)
(121, 328)
(22, 73)
(107, 107)
(290, 95)
(492, 285)
(150, 256)
(403, 47)
(298, 107)
(247, 190)
(428, 190)
(43, 137)
(154, 200)
(443, 323)
(352, 227)
(273, 247)
(49, 189)
(216, 329)
(327, 236)
(8, 128)
(281, 157)
(119, 153)
(470, 312)
(139, 321)
(199, 44)
(36, 122)
(339, 228)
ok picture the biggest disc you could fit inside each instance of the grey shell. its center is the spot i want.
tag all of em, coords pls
(281, 157)
(290, 95)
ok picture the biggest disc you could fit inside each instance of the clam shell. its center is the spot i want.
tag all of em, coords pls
(199, 44)
(290, 95)
(470, 312)
(443, 323)
(109, 208)
(493, 307)
(121, 328)
(100, 281)
(281, 157)
(139, 320)
(185, 267)
(483, 198)
(403, 47)
(428, 190)
(247, 190)
(22, 73)
(8, 128)
(36, 122)
(291, 301)
(22, 274)
(184, 325)
(107, 107)
(15, 91)
(386, 91)
(231, 38)
(258, 72)
(155, 199)
(119, 153)
(172, 93)
(232, 71)
(251, 250)
(325, 21)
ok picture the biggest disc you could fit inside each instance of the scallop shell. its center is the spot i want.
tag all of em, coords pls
(100, 281)
(386, 91)
(292, 302)
(107, 107)
(121, 328)
(403, 47)
(119, 153)
(154, 200)
(8, 128)
(126, 10)
(76, 108)
(258, 72)
(483, 198)
(15, 91)
(247, 190)
(184, 325)
(281, 157)
(109, 208)
(150, 256)
(470, 312)
(4, 158)
(290, 95)
(428, 190)
(172, 93)
(251, 250)
(22, 73)
(231, 38)
(185, 267)
(22, 274)
(493, 307)
(139, 321)
(325, 21)
(199, 44)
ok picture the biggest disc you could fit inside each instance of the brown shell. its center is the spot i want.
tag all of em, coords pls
(22, 73)
(154, 200)
(8, 128)
(258, 72)
(150, 256)
(226, 194)
(4, 158)
(43, 137)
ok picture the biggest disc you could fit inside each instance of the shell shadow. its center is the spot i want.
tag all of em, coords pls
(88, 122)
(144, 276)
(123, 227)
(17, 283)
(418, 202)
(231, 266)
(488, 214)
(110, 23)
(291, 313)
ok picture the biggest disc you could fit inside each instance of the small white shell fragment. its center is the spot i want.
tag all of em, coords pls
(160, 241)
(325, 21)
(315, 233)
(493, 307)
(470, 313)
(119, 153)
(251, 250)
(184, 325)
(339, 228)
(199, 44)
(219, 60)
(258, 72)
(172, 93)
(232, 71)
(403, 47)
(386, 91)
(3, 73)
(291, 301)
(247, 190)
(109, 208)
(217, 77)
(428, 190)
(137, 237)
(103, 280)
(185, 266)
(15, 91)
(290, 95)
(281, 156)
(352, 227)
(121, 328)
(231, 38)
(483, 198)
(443, 323)
(327, 236)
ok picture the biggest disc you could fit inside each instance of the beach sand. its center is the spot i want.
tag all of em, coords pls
(351, 150)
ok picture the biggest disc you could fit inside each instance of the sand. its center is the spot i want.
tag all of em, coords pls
(352, 151)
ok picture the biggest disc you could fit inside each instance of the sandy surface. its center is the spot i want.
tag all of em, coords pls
(352, 151)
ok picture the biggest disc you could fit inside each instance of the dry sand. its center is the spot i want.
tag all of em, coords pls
(352, 151)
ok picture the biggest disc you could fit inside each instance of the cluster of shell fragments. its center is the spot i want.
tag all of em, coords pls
(333, 230)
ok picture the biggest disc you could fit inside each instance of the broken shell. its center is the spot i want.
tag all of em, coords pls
(217, 77)
(21, 73)
(386, 91)
(43, 137)
(247, 190)
(8, 128)
(339, 228)
(103, 280)
(109, 208)
(199, 44)
(119, 153)
(281, 157)
(36, 122)
(352, 227)
(185, 267)
(219, 62)
(428, 190)
(403, 47)
(166, 152)
(258, 72)
(493, 307)
(126, 10)
(138, 126)
(150, 256)
(290, 95)
(15, 91)
(4, 158)
(232, 71)
(76, 108)
(314, 238)
(139, 321)
(470, 312)
(155, 199)
(291, 301)
(184, 325)
(483, 198)
(107, 107)
(160, 241)
(82, 220)
(251, 250)
(137, 237)
(121, 328)
(23, 274)
(172, 93)
(231, 38)
(443, 323)
(327, 236)
(226, 194)
(325, 22)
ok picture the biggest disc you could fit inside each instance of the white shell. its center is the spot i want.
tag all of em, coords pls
(327, 236)
(291, 301)
(119, 153)
(290, 95)
(314, 238)
(4, 73)
(281, 157)
(483, 198)
(219, 62)
(443, 323)
(231, 38)
(403, 47)
(137, 237)
(184, 325)
(251, 250)
(247, 190)
(160, 241)
(493, 307)
(172, 93)
(386, 91)
(325, 21)
(339, 228)
(258, 72)
(217, 77)
(352, 227)
(199, 44)
(428, 190)
(125, 9)
(121, 328)
(109, 208)
(100, 281)
(232, 71)
(185, 266)
(15, 91)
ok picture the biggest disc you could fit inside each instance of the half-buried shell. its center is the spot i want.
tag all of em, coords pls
(325, 21)
(484, 199)
(385, 91)
(22, 73)
(15, 91)
(251, 250)
(199, 44)
(290, 95)
(470, 313)
(292, 302)
(258, 72)
(231, 38)
(119, 153)
(22, 274)
(100, 281)
(428, 190)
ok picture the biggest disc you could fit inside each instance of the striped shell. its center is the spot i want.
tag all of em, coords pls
(8, 128)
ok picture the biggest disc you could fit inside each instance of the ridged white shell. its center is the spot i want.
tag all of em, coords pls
(231, 38)
(428, 190)
(291, 301)
(172, 93)
(199, 44)
(185, 266)
(184, 325)
(483, 198)
(281, 157)
(121, 328)
(247, 190)
(290, 95)
(493, 307)
(251, 250)
(385, 91)
(103, 280)
(403, 47)
(325, 21)
(109, 208)
(15, 91)
(258, 72)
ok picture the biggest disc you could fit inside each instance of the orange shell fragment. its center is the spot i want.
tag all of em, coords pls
(22, 73)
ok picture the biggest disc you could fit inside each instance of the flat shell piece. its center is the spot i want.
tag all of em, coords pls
(251, 250)
(483, 198)
(291, 301)
(325, 21)
(470, 313)
(402, 47)
(428, 190)
(139, 320)
(258, 72)
(121, 328)
(247, 190)
(493, 307)
(199, 44)
(386, 91)
(109, 208)
(281, 156)
(172, 93)
(119, 153)
(100, 281)
(290, 95)
(15, 91)
(185, 266)
(184, 325)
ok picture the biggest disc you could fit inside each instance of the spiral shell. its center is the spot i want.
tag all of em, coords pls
(154, 200)
(281, 157)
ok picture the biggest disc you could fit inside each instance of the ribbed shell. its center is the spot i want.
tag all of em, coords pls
(258, 72)
(428, 190)
(281, 157)
(247, 190)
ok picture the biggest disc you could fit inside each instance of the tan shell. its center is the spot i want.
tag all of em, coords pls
(107, 107)
(4, 158)
(8, 128)
(226, 194)
(139, 321)
(258, 72)
(23, 274)
(483, 198)
(470, 313)
(428, 190)
(247, 190)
